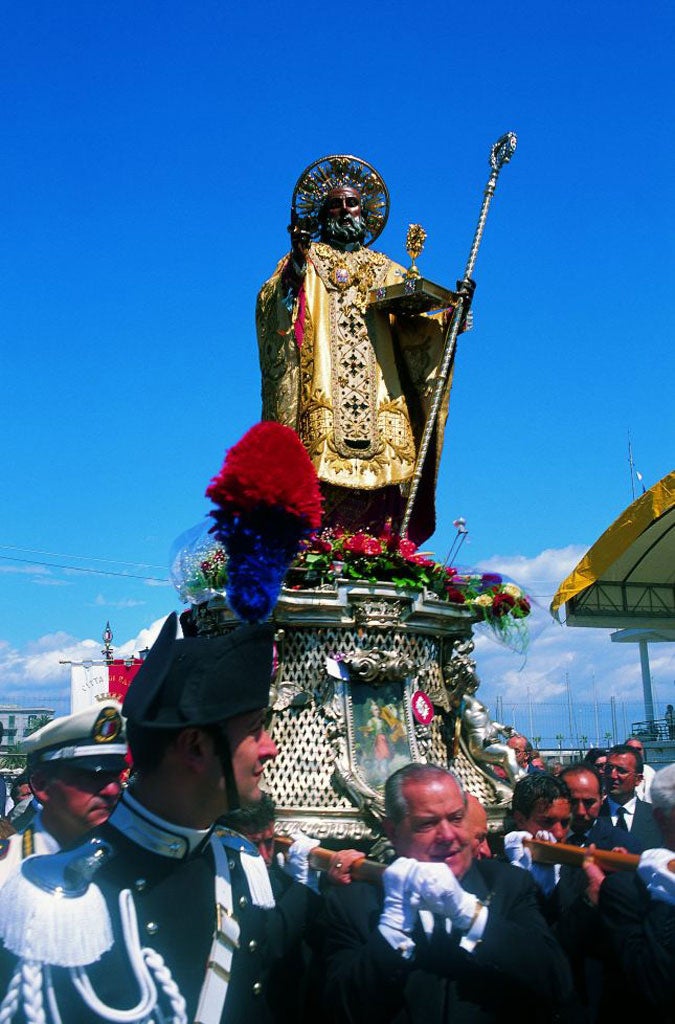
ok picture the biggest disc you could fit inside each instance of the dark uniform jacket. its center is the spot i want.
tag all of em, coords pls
(174, 897)
(517, 963)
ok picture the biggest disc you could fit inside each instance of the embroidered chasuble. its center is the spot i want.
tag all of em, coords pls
(355, 383)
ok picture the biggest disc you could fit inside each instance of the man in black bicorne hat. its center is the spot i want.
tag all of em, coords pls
(181, 894)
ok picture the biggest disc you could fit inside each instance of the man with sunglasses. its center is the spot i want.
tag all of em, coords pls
(623, 774)
(74, 768)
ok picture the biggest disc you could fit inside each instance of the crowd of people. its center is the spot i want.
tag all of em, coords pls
(162, 899)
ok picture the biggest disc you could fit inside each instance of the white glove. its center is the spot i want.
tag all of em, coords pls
(545, 875)
(653, 870)
(296, 862)
(515, 852)
(400, 904)
(441, 893)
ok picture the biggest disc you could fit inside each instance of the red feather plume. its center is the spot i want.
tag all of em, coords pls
(269, 467)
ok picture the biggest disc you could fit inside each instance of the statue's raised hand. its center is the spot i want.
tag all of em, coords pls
(300, 241)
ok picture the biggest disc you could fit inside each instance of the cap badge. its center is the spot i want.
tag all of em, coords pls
(107, 727)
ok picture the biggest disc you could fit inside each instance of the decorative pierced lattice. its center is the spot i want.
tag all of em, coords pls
(299, 779)
(318, 781)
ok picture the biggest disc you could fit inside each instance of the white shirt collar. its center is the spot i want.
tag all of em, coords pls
(154, 833)
(629, 807)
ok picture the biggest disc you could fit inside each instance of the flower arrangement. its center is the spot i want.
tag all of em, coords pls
(198, 565)
(332, 554)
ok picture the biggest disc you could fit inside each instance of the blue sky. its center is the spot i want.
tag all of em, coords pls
(149, 155)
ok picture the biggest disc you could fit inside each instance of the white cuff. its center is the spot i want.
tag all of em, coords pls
(399, 941)
(475, 932)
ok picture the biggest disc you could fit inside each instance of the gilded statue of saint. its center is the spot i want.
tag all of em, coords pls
(353, 381)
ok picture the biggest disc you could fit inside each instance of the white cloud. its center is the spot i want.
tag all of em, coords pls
(26, 570)
(561, 659)
(543, 573)
(35, 673)
(145, 638)
(127, 602)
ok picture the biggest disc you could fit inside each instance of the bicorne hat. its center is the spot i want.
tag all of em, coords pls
(201, 680)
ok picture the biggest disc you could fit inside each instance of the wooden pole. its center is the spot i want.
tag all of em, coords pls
(362, 870)
(564, 853)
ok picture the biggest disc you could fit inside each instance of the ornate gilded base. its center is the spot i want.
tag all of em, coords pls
(369, 678)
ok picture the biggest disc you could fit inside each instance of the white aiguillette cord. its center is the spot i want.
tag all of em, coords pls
(225, 941)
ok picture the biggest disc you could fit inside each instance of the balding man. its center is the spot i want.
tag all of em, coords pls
(586, 827)
(644, 789)
(448, 938)
(477, 828)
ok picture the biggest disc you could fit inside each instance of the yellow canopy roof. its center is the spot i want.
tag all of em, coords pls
(628, 577)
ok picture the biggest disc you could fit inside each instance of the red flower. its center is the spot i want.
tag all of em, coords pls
(421, 560)
(523, 606)
(454, 595)
(406, 548)
(356, 544)
(502, 604)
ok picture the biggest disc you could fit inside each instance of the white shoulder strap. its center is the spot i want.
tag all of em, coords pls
(225, 941)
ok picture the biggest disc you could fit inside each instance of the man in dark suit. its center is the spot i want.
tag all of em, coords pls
(576, 922)
(623, 773)
(448, 938)
(638, 911)
(586, 825)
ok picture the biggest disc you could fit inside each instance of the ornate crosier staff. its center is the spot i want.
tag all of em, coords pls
(500, 154)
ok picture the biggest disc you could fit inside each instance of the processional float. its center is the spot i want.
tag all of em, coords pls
(373, 639)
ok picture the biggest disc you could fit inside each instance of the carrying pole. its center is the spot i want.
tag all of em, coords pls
(564, 853)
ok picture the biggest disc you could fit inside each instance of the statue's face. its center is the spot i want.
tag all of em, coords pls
(341, 216)
(340, 201)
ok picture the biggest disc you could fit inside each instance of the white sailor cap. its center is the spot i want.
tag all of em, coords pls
(92, 738)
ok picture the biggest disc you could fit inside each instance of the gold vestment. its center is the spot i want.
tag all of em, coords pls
(354, 382)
